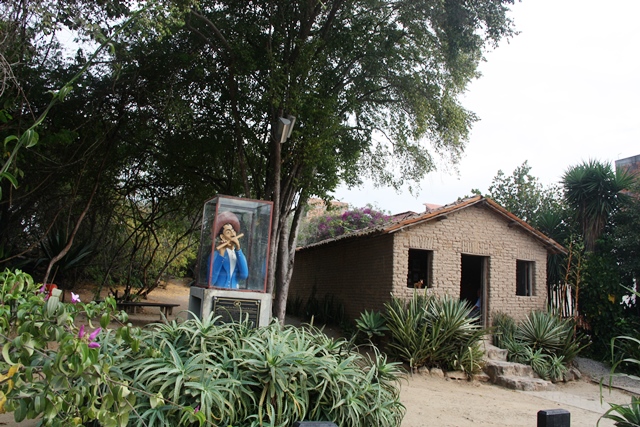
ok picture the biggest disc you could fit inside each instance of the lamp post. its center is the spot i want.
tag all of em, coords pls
(284, 127)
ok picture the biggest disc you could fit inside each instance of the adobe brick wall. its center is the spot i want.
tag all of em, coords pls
(363, 272)
(475, 231)
(358, 272)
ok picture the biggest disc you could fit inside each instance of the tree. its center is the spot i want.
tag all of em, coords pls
(523, 195)
(190, 106)
(542, 207)
(349, 71)
(594, 192)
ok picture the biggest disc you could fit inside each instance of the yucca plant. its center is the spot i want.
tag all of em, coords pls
(543, 340)
(434, 332)
(409, 329)
(541, 329)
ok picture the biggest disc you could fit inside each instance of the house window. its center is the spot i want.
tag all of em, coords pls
(525, 272)
(419, 275)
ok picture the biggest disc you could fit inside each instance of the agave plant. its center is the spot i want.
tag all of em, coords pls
(409, 329)
(624, 415)
(371, 323)
(434, 332)
(543, 340)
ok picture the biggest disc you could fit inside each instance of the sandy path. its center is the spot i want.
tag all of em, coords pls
(449, 403)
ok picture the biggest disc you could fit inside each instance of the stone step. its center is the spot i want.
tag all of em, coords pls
(523, 383)
(497, 368)
(491, 352)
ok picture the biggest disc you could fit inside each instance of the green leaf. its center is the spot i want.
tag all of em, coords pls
(29, 138)
(104, 320)
(5, 353)
(9, 139)
(12, 179)
(64, 91)
(156, 400)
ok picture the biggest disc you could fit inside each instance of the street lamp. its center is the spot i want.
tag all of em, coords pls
(285, 127)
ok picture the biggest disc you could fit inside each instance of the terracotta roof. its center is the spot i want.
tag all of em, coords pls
(551, 244)
(412, 220)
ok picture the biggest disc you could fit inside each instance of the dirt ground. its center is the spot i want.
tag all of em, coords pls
(439, 402)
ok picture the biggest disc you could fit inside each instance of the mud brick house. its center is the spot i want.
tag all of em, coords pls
(469, 248)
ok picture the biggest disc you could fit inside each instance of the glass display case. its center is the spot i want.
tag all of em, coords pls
(234, 244)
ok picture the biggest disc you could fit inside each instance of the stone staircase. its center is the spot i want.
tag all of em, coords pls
(515, 376)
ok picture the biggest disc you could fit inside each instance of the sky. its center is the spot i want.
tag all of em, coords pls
(563, 91)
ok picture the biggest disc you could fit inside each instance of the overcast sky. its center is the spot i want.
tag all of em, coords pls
(566, 89)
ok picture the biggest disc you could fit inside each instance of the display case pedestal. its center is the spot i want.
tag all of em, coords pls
(230, 305)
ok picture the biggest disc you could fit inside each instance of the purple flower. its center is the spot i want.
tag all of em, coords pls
(75, 298)
(94, 334)
(91, 338)
(43, 289)
(197, 409)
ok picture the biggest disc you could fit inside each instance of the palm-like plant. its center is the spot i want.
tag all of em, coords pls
(594, 191)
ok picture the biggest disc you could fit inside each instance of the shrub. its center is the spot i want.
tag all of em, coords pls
(180, 373)
(543, 340)
(332, 225)
(434, 332)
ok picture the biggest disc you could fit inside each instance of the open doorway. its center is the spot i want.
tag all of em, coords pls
(473, 281)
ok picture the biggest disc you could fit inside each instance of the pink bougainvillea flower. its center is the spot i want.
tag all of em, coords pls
(94, 334)
(75, 298)
(91, 338)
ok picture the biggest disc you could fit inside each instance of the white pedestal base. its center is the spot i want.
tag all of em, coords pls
(230, 304)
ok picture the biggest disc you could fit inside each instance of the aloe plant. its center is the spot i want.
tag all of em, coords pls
(235, 375)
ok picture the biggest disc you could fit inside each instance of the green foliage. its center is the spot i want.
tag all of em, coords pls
(594, 191)
(53, 369)
(505, 329)
(372, 323)
(542, 340)
(523, 195)
(624, 415)
(601, 300)
(266, 376)
(327, 311)
(180, 373)
(542, 330)
(434, 332)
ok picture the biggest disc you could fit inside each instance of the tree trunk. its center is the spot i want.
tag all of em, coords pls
(286, 257)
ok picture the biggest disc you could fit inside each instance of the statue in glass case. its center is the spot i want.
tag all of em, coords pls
(229, 264)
